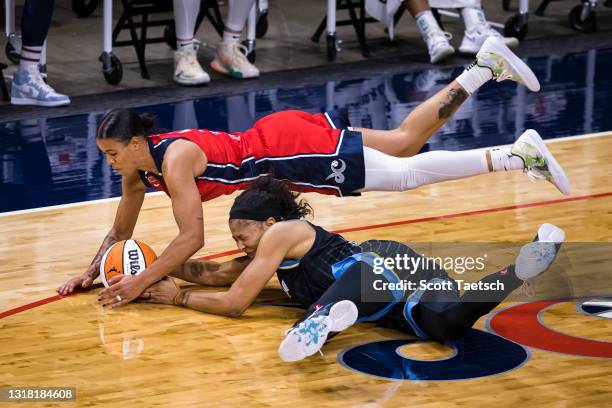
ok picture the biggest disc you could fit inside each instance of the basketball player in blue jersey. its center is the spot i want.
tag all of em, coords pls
(312, 152)
(339, 282)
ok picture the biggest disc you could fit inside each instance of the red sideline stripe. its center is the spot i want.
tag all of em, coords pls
(362, 228)
(220, 254)
(521, 324)
(477, 212)
(30, 306)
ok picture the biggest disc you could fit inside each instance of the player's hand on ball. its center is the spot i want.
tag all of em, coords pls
(163, 292)
(123, 289)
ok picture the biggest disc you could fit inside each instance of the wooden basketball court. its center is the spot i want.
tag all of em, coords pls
(150, 355)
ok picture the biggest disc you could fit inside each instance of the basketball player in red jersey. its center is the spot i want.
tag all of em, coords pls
(318, 152)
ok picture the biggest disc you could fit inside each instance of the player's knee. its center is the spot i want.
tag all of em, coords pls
(451, 331)
(407, 145)
(442, 326)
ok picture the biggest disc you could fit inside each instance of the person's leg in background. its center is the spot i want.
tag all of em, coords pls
(185, 116)
(437, 41)
(187, 69)
(28, 87)
(230, 58)
(477, 29)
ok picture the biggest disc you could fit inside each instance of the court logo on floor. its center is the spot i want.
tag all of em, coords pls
(600, 307)
(523, 323)
(478, 354)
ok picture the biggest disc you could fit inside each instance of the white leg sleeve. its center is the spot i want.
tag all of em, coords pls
(389, 173)
(185, 15)
(455, 3)
(238, 14)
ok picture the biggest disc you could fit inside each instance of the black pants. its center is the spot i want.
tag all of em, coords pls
(442, 315)
(35, 21)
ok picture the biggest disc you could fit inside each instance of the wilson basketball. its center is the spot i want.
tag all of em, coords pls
(128, 257)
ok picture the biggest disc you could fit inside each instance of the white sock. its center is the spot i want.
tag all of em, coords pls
(503, 160)
(29, 57)
(185, 15)
(230, 37)
(236, 19)
(426, 22)
(184, 45)
(472, 17)
(473, 77)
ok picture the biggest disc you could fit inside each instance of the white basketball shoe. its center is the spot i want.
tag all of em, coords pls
(539, 161)
(308, 336)
(504, 64)
(536, 257)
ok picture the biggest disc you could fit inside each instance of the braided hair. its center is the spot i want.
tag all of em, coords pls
(123, 124)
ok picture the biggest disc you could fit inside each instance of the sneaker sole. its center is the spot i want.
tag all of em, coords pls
(447, 52)
(467, 50)
(343, 315)
(528, 262)
(553, 234)
(560, 179)
(34, 102)
(510, 42)
(493, 44)
(547, 233)
(291, 350)
(191, 82)
(217, 66)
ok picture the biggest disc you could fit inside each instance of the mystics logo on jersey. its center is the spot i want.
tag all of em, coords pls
(154, 181)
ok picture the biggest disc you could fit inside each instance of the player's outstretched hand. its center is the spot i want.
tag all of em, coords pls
(84, 281)
(123, 289)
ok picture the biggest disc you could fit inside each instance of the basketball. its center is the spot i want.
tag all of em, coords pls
(128, 257)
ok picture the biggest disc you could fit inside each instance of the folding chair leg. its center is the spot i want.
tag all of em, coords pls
(215, 18)
(542, 7)
(359, 28)
(143, 40)
(5, 94)
(362, 17)
(317, 34)
(138, 46)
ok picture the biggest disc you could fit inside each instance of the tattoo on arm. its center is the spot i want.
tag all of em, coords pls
(196, 269)
(199, 268)
(108, 241)
(454, 99)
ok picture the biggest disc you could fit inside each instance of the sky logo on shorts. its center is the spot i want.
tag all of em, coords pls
(285, 287)
(337, 168)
